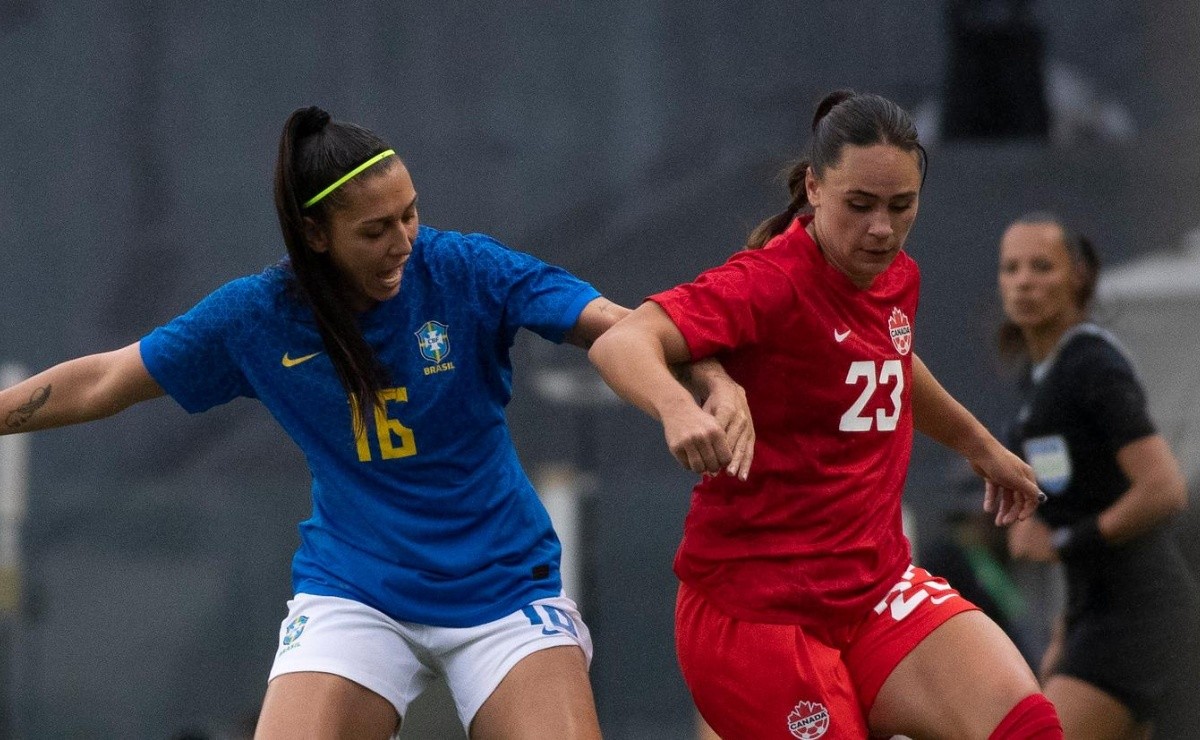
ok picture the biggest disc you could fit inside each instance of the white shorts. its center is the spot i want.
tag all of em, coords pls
(399, 660)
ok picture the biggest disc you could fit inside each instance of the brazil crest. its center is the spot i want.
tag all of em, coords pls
(433, 338)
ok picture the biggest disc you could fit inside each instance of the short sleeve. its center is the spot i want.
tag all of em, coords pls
(1111, 392)
(528, 292)
(190, 358)
(730, 305)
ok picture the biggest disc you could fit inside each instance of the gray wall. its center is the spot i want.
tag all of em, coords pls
(633, 141)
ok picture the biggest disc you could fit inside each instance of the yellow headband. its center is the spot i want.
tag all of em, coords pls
(348, 176)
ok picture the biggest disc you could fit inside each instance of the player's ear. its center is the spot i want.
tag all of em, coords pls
(812, 187)
(315, 236)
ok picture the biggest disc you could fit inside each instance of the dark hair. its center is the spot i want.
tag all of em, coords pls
(842, 117)
(1083, 256)
(314, 152)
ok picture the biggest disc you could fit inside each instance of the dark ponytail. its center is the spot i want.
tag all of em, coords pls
(1088, 260)
(314, 152)
(842, 117)
(778, 223)
(1009, 339)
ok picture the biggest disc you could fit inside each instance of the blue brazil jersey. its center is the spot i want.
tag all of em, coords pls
(424, 512)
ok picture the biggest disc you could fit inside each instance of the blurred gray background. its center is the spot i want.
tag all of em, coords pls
(634, 142)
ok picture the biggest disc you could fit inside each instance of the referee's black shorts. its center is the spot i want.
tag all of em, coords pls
(1133, 657)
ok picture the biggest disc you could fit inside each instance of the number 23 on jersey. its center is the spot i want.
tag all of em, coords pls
(874, 376)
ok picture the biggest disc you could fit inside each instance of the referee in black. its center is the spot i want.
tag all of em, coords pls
(1113, 484)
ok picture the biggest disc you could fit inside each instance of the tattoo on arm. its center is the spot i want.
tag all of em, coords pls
(22, 414)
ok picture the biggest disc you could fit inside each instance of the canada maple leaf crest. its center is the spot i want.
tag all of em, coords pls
(809, 720)
(900, 330)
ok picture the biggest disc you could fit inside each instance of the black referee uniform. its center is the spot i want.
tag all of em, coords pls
(1131, 608)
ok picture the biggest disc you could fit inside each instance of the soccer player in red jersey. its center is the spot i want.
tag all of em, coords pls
(800, 613)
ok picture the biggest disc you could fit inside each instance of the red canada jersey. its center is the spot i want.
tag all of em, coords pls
(814, 536)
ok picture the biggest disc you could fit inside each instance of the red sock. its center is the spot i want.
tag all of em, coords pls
(1033, 718)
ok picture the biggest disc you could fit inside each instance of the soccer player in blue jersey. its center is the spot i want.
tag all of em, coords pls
(382, 348)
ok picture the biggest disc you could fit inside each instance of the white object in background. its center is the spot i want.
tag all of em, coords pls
(14, 496)
(561, 489)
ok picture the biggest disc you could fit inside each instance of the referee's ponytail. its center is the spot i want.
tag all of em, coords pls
(1087, 261)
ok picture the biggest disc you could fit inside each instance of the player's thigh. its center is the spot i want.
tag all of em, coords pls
(1087, 711)
(322, 705)
(760, 681)
(960, 681)
(340, 664)
(703, 731)
(546, 695)
(522, 675)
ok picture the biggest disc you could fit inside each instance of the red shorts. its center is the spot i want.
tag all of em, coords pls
(760, 681)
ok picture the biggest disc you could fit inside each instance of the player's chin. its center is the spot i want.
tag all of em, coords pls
(879, 257)
(873, 268)
(385, 290)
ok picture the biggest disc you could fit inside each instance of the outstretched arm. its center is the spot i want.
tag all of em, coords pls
(76, 391)
(635, 357)
(1010, 490)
